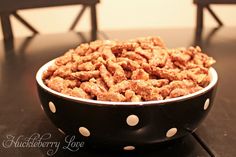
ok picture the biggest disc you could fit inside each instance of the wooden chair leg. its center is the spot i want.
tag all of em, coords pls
(6, 26)
(199, 17)
(24, 22)
(78, 18)
(94, 26)
(93, 17)
(214, 15)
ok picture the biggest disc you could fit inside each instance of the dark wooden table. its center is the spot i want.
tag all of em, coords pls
(20, 112)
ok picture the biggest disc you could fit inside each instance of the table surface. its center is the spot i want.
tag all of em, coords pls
(21, 115)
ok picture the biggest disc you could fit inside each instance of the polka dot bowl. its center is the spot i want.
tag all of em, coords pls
(126, 125)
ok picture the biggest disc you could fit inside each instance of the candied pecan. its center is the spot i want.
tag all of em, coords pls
(201, 79)
(179, 55)
(76, 58)
(119, 74)
(169, 64)
(85, 75)
(195, 89)
(49, 72)
(121, 87)
(130, 45)
(63, 71)
(120, 46)
(66, 91)
(92, 88)
(95, 45)
(157, 41)
(180, 65)
(101, 84)
(159, 57)
(82, 49)
(182, 84)
(199, 75)
(136, 98)
(145, 90)
(131, 96)
(149, 42)
(202, 59)
(106, 76)
(107, 53)
(97, 63)
(178, 92)
(165, 91)
(87, 66)
(134, 56)
(158, 82)
(170, 74)
(209, 62)
(67, 57)
(89, 57)
(76, 92)
(128, 64)
(58, 83)
(140, 74)
(190, 66)
(145, 53)
(110, 96)
(117, 48)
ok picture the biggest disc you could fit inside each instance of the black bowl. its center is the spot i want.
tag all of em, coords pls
(126, 125)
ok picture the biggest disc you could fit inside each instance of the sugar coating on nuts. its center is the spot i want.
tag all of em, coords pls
(141, 69)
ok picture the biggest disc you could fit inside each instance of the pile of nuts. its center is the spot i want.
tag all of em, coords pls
(142, 69)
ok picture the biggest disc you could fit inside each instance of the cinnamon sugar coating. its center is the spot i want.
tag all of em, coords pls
(141, 69)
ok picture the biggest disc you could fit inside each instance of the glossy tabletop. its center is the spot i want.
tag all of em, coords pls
(21, 116)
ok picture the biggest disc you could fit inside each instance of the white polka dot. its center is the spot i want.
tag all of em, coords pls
(61, 131)
(129, 148)
(84, 131)
(171, 132)
(52, 107)
(132, 120)
(206, 104)
(41, 107)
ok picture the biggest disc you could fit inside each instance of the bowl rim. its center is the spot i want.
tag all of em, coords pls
(39, 80)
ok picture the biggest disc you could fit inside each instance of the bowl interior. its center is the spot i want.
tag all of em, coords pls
(212, 72)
